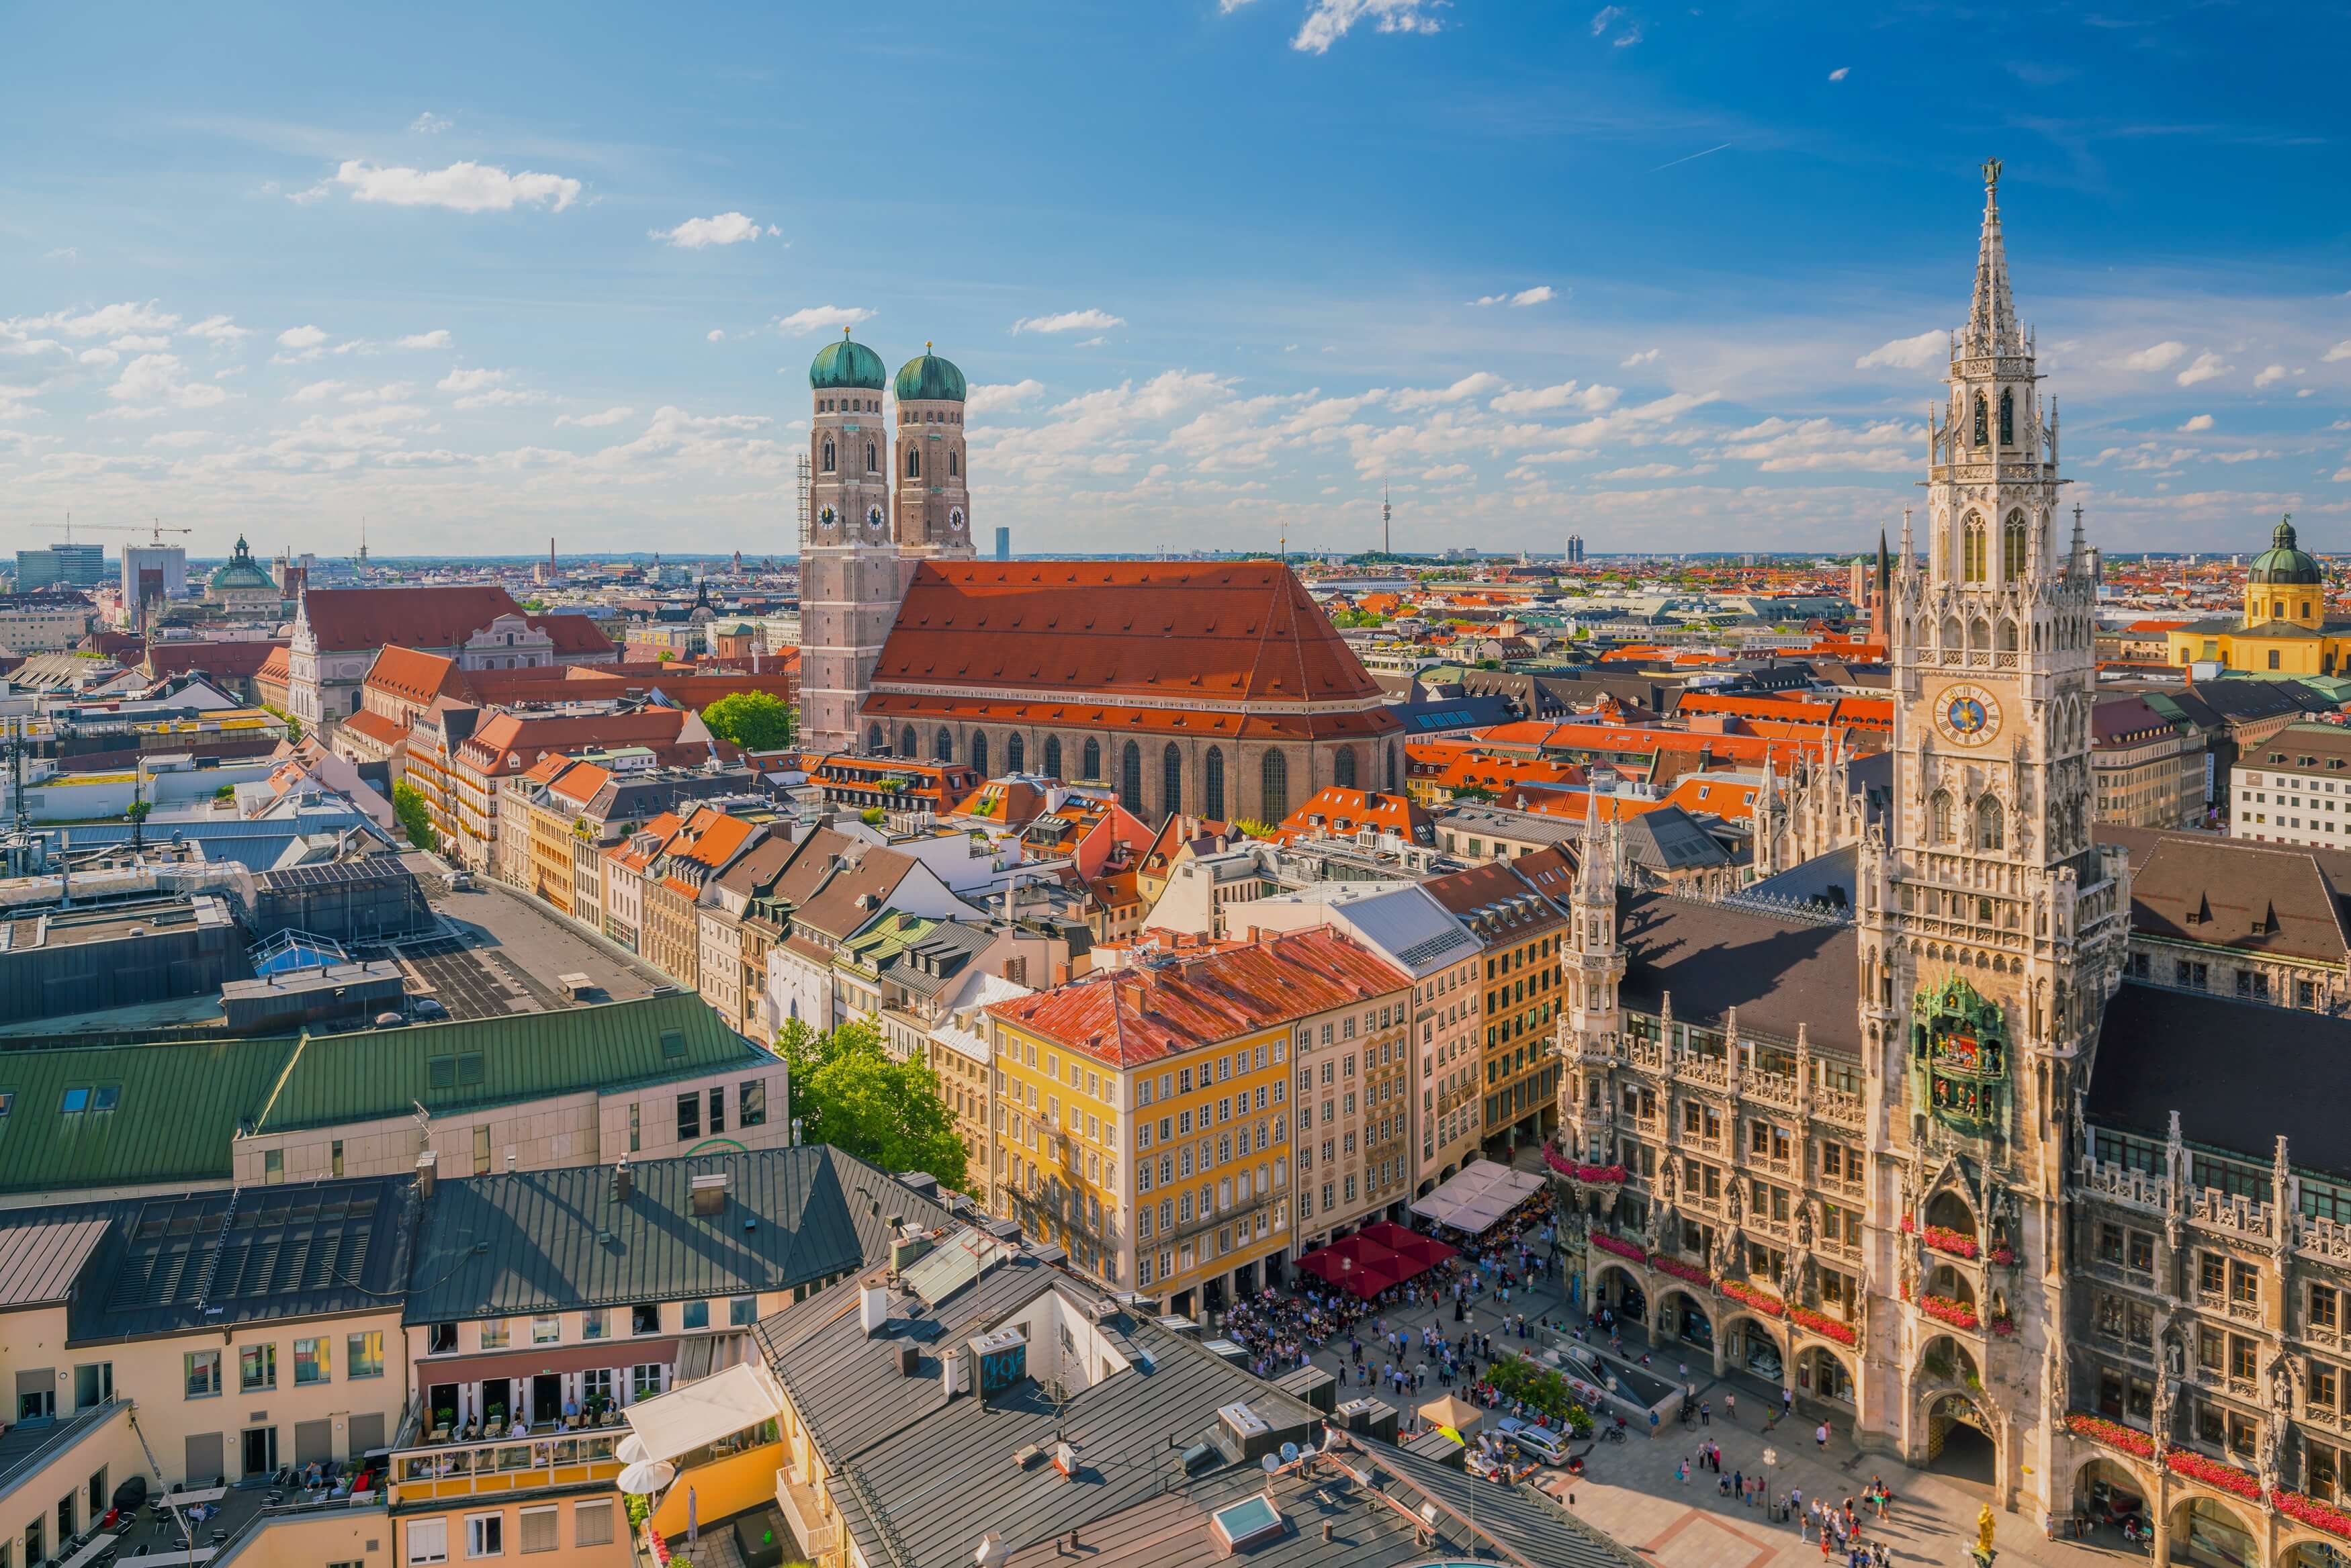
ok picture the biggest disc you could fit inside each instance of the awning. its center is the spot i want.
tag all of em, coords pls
(591, 1355)
(1477, 1199)
(700, 1413)
(1374, 1258)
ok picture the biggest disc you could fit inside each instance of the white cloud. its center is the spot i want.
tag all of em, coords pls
(148, 344)
(2340, 351)
(2159, 356)
(437, 338)
(463, 187)
(1070, 321)
(2201, 422)
(63, 253)
(1605, 19)
(594, 421)
(1475, 385)
(2206, 368)
(499, 397)
(1839, 74)
(154, 383)
(219, 330)
(473, 380)
(1906, 353)
(1784, 446)
(1645, 357)
(725, 229)
(2269, 375)
(1525, 297)
(107, 321)
(1095, 342)
(301, 337)
(1331, 20)
(988, 398)
(821, 319)
(1567, 394)
(98, 357)
(715, 335)
(429, 124)
(1642, 471)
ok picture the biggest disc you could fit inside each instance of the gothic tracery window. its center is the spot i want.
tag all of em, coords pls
(1213, 788)
(1171, 781)
(1014, 752)
(2006, 418)
(1984, 435)
(914, 463)
(1130, 778)
(1971, 550)
(1991, 823)
(872, 464)
(1273, 791)
(2013, 538)
(828, 457)
(954, 465)
(1053, 756)
(1092, 757)
(1938, 817)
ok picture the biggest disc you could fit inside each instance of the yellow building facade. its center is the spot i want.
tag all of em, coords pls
(2285, 629)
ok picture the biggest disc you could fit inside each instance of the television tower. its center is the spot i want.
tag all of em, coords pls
(1386, 512)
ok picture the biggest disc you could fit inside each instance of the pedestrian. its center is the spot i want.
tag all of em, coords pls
(1824, 1542)
(1706, 1414)
(1787, 1400)
(1730, 1405)
(1738, 1485)
(1821, 1437)
(1681, 1471)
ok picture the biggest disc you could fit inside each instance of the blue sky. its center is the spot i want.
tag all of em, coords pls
(1670, 275)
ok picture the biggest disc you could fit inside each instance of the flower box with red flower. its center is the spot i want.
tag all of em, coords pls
(1591, 1174)
(1737, 1290)
(1681, 1270)
(1958, 1314)
(2112, 1433)
(2311, 1511)
(1824, 1325)
(1909, 1224)
(2003, 1326)
(2196, 1467)
(1618, 1245)
(2004, 1256)
(1958, 1244)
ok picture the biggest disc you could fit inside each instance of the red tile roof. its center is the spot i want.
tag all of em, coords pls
(1340, 811)
(417, 678)
(1854, 712)
(350, 619)
(1133, 1015)
(1239, 632)
(508, 743)
(227, 659)
(377, 728)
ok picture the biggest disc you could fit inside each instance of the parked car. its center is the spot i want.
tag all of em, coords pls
(1542, 1443)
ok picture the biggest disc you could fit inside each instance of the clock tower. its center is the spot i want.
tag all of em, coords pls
(850, 586)
(1991, 924)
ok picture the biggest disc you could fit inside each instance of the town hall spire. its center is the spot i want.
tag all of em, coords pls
(1991, 318)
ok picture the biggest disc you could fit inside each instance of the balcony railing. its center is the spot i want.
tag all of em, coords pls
(520, 1464)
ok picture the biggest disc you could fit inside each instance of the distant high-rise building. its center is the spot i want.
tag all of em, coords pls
(71, 566)
(1576, 549)
(1004, 543)
(169, 565)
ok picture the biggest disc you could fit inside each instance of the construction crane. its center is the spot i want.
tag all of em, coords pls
(158, 528)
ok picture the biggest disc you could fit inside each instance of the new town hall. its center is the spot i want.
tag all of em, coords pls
(2033, 1159)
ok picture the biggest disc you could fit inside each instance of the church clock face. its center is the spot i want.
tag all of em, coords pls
(873, 517)
(825, 516)
(955, 518)
(1966, 715)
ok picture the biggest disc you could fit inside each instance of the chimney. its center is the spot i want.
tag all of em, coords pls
(873, 1310)
(624, 1181)
(1257, 934)
(951, 1371)
(709, 1194)
(427, 1168)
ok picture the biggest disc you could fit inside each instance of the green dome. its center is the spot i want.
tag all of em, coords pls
(242, 571)
(2282, 562)
(926, 377)
(845, 366)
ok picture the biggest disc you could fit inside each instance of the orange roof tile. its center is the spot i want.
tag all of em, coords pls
(1342, 811)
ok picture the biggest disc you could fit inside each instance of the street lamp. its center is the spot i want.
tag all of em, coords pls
(1771, 1459)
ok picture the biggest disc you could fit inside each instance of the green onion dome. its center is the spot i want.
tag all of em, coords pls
(846, 366)
(926, 377)
(2283, 562)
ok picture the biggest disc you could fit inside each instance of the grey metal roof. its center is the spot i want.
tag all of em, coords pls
(556, 1240)
(208, 1260)
(1669, 839)
(42, 1251)
(1777, 971)
(1399, 919)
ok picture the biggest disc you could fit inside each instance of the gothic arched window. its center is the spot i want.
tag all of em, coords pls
(1171, 781)
(1053, 756)
(875, 742)
(1273, 787)
(1938, 817)
(872, 464)
(2013, 536)
(2006, 418)
(1971, 550)
(979, 753)
(1983, 411)
(2007, 643)
(1343, 768)
(1393, 785)
(828, 457)
(906, 745)
(1991, 823)
(1130, 778)
(954, 465)
(1015, 754)
(1091, 758)
(944, 751)
(914, 463)
(1212, 803)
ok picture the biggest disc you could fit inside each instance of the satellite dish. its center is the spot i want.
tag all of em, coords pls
(1290, 1453)
(1270, 1464)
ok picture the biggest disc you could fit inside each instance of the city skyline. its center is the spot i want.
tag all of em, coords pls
(410, 282)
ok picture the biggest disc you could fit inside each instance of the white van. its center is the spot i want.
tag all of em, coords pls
(1545, 1444)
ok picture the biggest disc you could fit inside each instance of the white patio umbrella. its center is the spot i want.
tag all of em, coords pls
(630, 1450)
(645, 1478)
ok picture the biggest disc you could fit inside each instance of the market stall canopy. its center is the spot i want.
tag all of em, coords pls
(700, 1413)
(1374, 1258)
(1477, 1199)
(1461, 1416)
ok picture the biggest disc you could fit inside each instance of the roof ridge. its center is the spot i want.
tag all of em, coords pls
(285, 1072)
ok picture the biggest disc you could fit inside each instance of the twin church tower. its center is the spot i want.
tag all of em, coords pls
(874, 510)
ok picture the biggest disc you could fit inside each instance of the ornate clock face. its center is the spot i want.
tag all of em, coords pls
(955, 518)
(825, 515)
(1966, 715)
(873, 517)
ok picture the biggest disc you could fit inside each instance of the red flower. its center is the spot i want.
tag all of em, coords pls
(2113, 1433)
(2311, 1511)
(2003, 1256)
(1622, 1248)
(1681, 1270)
(1821, 1324)
(1959, 1314)
(2212, 1472)
(1761, 1302)
(1598, 1174)
(1909, 1225)
(1943, 1239)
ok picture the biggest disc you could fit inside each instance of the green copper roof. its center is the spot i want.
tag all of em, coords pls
(846, 365)
(928, 378)
(171, 1112)
(2283, 562)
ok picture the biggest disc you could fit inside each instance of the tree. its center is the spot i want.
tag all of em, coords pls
(415, 817)
(847, 1090)
(755, 720)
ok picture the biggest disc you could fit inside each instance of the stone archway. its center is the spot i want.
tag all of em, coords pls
(1614, 1286)
(2304, 1550)
(1682, 1319)
(1959, 1437)
(2213, 1532)
(1825, 1374)
(2105, 1485)
(1755, 1345)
